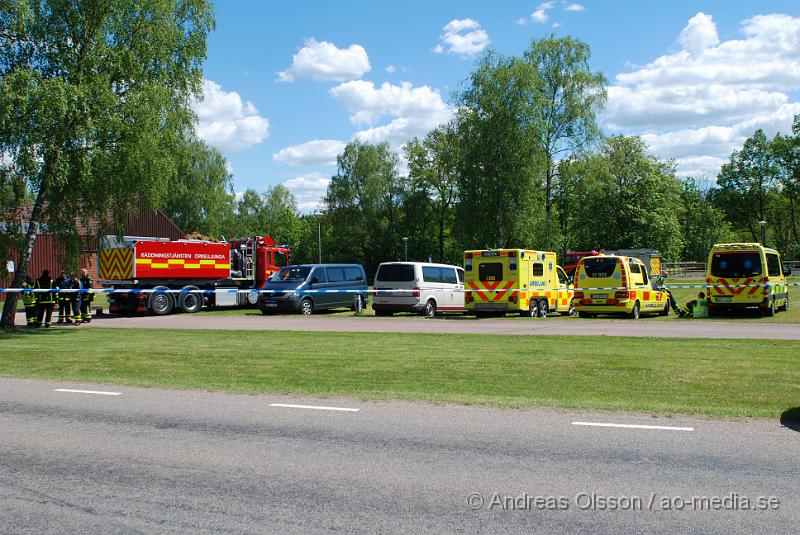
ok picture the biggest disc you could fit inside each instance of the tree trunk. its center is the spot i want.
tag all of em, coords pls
(10, 307)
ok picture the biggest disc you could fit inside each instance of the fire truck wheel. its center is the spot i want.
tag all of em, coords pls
(430, 309)
(306, 307)
(543, 308)
(634, 315)
(161, 303)
(190, 302)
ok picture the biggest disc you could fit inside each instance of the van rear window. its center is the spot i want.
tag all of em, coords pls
(395, 273)
(599, 268)
(490, 271)
(736, 265)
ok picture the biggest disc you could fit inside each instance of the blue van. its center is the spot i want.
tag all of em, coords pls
(308, 288)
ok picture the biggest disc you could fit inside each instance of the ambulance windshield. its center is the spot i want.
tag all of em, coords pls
(736, 264)
(490, 271)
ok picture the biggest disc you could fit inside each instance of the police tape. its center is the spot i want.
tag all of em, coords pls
(378, 291)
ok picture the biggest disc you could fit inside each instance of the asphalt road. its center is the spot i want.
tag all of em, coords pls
(578, 326)
(155, 461)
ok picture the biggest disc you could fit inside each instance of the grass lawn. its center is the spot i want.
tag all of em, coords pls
(714, 377)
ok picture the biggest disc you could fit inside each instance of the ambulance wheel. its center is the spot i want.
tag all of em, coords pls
(161, 303)
(306, 307)
(429, 311)
(634, 315)
(191, 301)
(785, 306)
(665, 312)
(543, 308)
(770, 310)
(533, 311)
(571, 311)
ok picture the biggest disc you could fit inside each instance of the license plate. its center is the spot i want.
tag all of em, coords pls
(599, 296)
(724, 299)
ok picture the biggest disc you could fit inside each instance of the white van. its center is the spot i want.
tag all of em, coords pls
(432, 288)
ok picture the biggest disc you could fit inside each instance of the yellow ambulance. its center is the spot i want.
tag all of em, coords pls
(746, 275)
(531, 283)
(610, 284)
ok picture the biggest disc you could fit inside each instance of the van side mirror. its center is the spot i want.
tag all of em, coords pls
(787, 270)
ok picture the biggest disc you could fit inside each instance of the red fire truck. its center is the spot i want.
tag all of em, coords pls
(187, 275)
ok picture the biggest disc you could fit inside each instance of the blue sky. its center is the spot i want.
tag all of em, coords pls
(288, 83)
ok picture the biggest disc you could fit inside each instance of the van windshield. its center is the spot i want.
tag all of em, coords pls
(395, 273)
(599, 268)
(736, 264)
(291, 274)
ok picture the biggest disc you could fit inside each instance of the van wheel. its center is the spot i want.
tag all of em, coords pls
(543, 308)
(430, 309)
(634, 315)
(161, 303)
(358, 304)
(306, 307)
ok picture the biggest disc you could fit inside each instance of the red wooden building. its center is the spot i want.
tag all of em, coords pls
(48, 254)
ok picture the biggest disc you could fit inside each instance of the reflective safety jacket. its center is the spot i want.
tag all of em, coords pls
(28, 298)
(44, 298)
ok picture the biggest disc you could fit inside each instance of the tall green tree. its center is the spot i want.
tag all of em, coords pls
(94, 100)
(747, 184)
(787, 152)
(629, 199)
(433, 167)
(200, 197)
(703, 224)
(279, 216)
(563, 96)
(362, 204)
(498, 200)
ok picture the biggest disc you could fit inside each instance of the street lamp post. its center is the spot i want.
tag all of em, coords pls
(763, 232)
(318, 216)
(405, 244)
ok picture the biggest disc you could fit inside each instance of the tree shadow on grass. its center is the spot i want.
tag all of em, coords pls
(791, 419)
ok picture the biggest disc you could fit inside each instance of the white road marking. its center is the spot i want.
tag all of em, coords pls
(98, 392)
(315, 407)
(634, 426)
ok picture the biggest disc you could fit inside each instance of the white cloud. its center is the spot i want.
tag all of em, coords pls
(574, 7)
(414, 110)
(321, 60)
(311, 153)
(227, 122)
(540, 15)
(462, 37)
(700, 102)
(391, 69)
(699, 34)
(309, 190)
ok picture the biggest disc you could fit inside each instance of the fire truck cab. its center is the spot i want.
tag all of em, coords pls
(531, 283)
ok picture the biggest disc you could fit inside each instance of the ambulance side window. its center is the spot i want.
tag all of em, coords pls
(774, 265)
(636, 274)
(537, 269)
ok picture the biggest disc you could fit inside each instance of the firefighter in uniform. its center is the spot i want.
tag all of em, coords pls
(44, 300)
(86, 297)
(29, 300)
(62, 282)
(75, 298)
